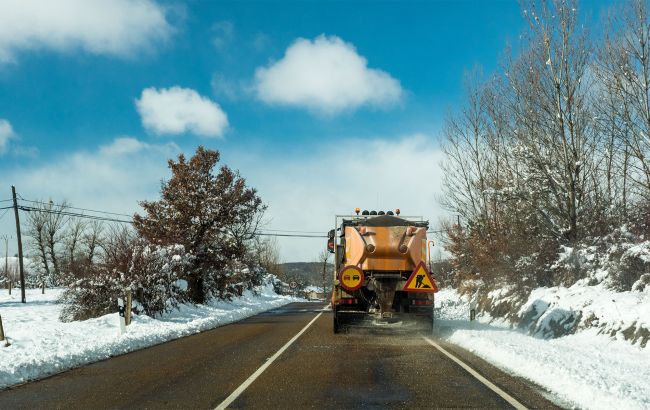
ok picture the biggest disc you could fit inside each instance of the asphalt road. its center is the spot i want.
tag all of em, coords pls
(319, 370)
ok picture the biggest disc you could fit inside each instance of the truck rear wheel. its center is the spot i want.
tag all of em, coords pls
(337, 327)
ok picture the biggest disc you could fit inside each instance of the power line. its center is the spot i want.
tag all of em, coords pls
(5, 212)
(63, 211)
(264, 232)
(290, 235)
(289, 230)
(72, 207)
(98, 218)
(72, 214)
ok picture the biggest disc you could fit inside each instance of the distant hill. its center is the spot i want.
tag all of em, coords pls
(306, 273)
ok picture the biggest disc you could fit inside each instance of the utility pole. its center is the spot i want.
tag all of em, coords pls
(20, 247)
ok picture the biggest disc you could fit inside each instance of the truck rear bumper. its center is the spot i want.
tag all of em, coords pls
(362, 319)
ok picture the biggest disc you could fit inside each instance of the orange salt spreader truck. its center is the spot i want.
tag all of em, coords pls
(381, 274)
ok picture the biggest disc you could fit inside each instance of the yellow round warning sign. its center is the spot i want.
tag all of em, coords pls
(351, 278)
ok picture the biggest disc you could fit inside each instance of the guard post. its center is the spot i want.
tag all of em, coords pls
(129, 304)
(2, 334)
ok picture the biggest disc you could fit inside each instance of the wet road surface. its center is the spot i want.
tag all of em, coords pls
(319, 370)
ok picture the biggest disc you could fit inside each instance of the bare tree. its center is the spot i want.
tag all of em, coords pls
(92, 239)
(118, 247)
(36, 222)
(323, 258)
(624, 70)
(73, 237)
(268, 252)
(555, 137)
(54, 233)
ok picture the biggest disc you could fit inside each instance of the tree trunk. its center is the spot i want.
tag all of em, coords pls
(195, 289)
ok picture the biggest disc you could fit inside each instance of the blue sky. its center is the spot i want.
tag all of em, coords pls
(68, 92)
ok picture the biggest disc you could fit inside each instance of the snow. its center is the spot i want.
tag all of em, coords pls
(588, 369)
(641, 251)
(609, 312)
(41, 345)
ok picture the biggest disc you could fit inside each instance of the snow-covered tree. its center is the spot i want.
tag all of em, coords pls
(213, 215)
(151, 272)
(46, 226)
(552, 154)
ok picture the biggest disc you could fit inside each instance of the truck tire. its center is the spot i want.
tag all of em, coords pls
(336, 327)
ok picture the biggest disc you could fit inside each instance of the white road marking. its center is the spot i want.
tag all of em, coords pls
(505, 396)
(242, 387)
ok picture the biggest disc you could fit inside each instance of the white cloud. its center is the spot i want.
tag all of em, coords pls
(123, 146)
(177, 110)
(110, 27)
(305, 191)
(6, 133)
(325, 75)
(112, 178)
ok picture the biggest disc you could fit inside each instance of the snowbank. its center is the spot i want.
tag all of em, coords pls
(41, 345)
(586, 369)
(558, 311)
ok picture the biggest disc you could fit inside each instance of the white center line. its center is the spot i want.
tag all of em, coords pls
(505, 396)
(239, 390)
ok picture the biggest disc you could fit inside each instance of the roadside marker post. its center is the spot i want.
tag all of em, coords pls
(472, 308)
(129, 305)
(120, 310)
(2, 335)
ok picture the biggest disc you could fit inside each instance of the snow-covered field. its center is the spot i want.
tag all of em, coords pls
(588, 369)
(41, 345)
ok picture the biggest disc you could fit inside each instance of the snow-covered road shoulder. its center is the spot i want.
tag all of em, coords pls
(587, 369)
(41, 345)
